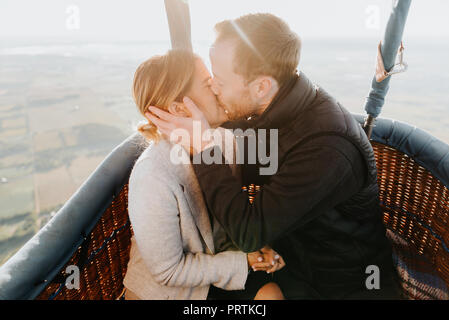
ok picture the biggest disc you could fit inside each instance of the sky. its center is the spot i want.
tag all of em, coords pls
(146, 20)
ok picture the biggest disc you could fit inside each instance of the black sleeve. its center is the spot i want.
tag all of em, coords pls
(317, 174)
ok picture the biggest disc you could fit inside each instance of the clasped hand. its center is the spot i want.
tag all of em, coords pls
(266, 259)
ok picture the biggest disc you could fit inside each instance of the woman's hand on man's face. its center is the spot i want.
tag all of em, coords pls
(266, 259)
(194, 127)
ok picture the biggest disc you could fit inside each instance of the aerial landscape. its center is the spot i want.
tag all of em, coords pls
(55, 128)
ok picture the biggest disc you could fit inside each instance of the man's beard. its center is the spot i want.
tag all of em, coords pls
(237, 111)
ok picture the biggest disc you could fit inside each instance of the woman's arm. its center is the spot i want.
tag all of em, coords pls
(154, 214)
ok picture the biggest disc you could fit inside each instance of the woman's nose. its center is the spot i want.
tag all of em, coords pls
(213, 86)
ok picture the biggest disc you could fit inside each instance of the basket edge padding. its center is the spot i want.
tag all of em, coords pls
(28, 271)
(426, 150)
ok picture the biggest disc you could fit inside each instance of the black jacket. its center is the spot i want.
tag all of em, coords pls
(320, 210)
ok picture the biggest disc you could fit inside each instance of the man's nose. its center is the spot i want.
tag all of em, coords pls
(214, 87)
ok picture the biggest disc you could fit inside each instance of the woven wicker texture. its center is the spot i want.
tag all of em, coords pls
(102, 259)
(416, 213)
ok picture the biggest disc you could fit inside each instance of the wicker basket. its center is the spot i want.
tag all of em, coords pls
(416, 213)
(102, 258)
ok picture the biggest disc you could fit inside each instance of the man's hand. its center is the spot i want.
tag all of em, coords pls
(254, 258)
(272, 261)
(194, 127)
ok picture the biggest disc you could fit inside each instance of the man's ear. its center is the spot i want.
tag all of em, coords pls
(262, 87)
(178, 109)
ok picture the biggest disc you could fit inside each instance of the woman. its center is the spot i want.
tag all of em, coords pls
(176, 253)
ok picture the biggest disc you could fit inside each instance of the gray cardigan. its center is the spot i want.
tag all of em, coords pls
(174, 251)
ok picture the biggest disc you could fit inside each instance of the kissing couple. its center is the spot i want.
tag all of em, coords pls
(308, 230)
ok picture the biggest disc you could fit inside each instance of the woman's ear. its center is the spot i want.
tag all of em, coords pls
(177, 109)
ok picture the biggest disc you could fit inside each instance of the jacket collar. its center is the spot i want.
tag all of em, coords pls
(194, 197)
(185, 176)
(291, 100)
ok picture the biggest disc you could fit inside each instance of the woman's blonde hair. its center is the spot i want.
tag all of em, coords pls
(160, 81)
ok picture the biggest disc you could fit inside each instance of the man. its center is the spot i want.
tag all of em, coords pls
(320, 209)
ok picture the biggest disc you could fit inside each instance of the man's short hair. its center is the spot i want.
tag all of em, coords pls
(265, 45)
